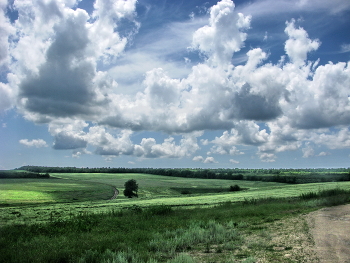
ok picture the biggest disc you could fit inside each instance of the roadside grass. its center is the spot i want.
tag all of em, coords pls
(257, 229)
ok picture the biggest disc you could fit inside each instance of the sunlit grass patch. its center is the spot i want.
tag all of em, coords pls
(25, 191)
(22, 196)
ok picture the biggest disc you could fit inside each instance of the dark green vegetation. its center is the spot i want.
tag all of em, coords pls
(290, 176)
(162, 233)
(131, 188)
(22, 174)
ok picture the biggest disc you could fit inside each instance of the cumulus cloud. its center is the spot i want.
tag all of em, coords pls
(59, 76)
(224, 35)
(267, 157)
(201, 159)
(79, 152)
(68, 135)
(37, 143)
(148, 148)
(210, 159)
(198, 158)
(308, 151)
(6, 97)
(6, 29)
(225, 144)
(298, 44)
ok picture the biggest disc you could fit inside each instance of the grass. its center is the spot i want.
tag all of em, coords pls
(162, 225)
(154, 190)
(32, 191)
(228, 232)
(152, 186)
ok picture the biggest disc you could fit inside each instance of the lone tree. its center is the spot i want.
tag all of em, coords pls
(131, 188)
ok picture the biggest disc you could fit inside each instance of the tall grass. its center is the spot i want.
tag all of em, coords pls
(184, 239)
(327, 197)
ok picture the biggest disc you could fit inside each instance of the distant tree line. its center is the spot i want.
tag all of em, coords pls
(290, 176)
(26, 174)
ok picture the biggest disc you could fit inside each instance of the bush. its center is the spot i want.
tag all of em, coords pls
(235, 188)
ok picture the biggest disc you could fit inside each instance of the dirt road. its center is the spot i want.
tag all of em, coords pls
(116, 193)
(330, 228)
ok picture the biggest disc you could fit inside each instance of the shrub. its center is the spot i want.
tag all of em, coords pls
(234, 188)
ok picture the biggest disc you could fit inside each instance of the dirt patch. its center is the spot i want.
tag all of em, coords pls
(330, 228)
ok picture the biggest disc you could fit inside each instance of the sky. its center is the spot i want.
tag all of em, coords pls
(160, 83)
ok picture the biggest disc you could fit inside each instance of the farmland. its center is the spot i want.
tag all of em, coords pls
(56, 214)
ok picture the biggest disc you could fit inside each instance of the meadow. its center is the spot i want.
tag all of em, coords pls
(70, 218)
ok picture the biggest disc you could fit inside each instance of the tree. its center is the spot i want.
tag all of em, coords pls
(131, 188)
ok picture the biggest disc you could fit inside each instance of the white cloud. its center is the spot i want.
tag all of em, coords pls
(38, 143)
(345, 48)
(298, 44)
(107, 43)
(6, 29)
(107, 144)
(201, 159)
(337, 139)
(234, 161)
(268, 8)
(79, 152)
(225, 145)
(6, 97)
(267, 157)
(68, 135)
(323, 154)
(210, 159)
(308, 151)
(198, 158)
(223, 36)
(148, 148)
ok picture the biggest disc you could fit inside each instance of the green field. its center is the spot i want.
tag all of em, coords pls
(155, 186)
(70, 218)
(38, 200)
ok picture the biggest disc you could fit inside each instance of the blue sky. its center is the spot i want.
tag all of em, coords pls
(247, 84)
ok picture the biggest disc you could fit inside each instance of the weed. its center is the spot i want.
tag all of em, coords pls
(250, 260)
(159, 210)
(182, 258)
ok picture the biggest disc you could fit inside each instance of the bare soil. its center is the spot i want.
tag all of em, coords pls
(330, 228)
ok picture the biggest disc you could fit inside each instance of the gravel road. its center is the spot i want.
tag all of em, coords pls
(330, 228)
